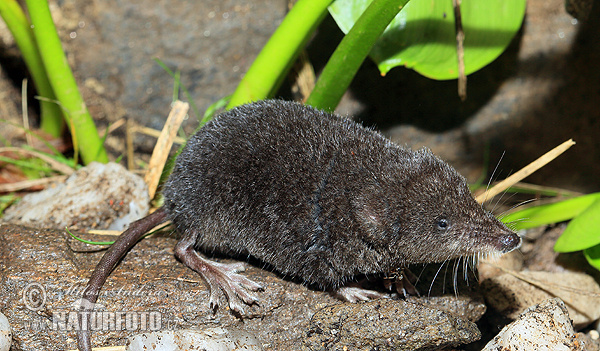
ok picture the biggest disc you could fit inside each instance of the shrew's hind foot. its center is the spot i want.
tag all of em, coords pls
(220, 276)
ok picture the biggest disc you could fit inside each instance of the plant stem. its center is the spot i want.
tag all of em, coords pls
(273, 62)
(351, 52)
(84, 133)
(51, 115)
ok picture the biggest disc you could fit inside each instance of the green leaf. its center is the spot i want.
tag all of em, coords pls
(28, 163)
(112, 242)
(592, 255)
(176, 84)
(550, 213)
(583, 231)
(422, 36)
(88, 241)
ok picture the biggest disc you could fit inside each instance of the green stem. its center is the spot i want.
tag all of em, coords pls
(51, 115)
(273, 62)
(351, 52)
(84, 133)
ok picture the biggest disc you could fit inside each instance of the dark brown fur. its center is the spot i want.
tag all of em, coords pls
(316, 196)
(322, 198)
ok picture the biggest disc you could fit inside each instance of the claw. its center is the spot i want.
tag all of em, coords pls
(405, 283)
(220, 276)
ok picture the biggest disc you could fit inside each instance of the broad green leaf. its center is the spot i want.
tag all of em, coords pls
(422, 36)
(583, 231)
(592, 255)
(550, 213)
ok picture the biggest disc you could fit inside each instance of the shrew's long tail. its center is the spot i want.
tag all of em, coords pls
(115, 253)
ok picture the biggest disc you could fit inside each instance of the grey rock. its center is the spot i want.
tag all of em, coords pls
(5, 333)
(511, 294)
(464, 306)
(387, 325)
(545, 326)
(99, 196)
(211, 42)
(149, 280)
(52, 265)
(213, 339)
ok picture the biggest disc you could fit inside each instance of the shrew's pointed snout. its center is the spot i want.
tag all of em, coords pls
(509, 242)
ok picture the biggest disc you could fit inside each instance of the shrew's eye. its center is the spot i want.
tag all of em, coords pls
(443, 224)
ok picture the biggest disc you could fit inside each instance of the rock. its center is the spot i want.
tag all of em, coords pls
(213, 339)
(387, 325)
(211, 42)
(51, 269)
(545, 326)
(579, 9)
(464, 306)
(591, 340)
(511, 295)
(99, 196)
(488, 268)
(5, 333)
(149, 280)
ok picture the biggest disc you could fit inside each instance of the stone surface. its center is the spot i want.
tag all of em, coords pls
(542, 91)
(212, 43)
(545, 326)
(5, 333)
(50, 269)
(99, 196)
(213, 339)
(387, 325)
(512, 294)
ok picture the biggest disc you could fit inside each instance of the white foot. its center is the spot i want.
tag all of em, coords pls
(354, 294)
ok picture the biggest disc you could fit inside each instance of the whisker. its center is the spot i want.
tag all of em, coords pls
(420, 274)
(455, 274)
(500, 199)
(525, 219)
(435, 276)
(466, 270)
(503, 214)
(512, 224)
(492, 176)
(445, 276)
(474, 262)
